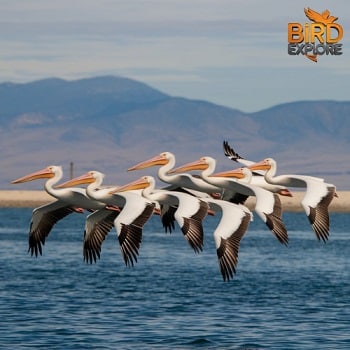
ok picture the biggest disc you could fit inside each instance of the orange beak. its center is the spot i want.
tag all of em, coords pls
(157, 160)
(80, 180)
(235, 173)
(262, 165)
(45, 173)
(134, 185)
(196, 165)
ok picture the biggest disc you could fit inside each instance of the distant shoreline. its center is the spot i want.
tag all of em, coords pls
(33, 199)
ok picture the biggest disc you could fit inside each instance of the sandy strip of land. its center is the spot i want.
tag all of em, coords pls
(24, 199)
(32, 199)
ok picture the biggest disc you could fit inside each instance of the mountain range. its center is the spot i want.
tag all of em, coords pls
(109, 123)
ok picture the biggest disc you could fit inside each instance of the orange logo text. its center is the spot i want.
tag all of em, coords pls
(320, 37)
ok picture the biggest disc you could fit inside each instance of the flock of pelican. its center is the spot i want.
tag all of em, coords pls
(186, 200)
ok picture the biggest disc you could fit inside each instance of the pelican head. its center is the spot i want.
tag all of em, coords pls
(160, 159)
(46, 173)
(270, 164)
(264, 164)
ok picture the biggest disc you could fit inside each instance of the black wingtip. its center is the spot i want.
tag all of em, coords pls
(230, 152)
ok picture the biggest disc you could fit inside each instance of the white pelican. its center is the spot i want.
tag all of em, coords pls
(268, 204)
(45, 217)
(178, 182)
(166, 161)
(134, 212)
(258, 175)
(227, 235)
(316, 201)
(190, 210)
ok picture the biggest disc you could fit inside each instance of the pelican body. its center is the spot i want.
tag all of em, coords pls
(189, 214)
(316, 201)
(257, 175)
(166, 161)
(69, 200)
(127, 212)
(268, 204)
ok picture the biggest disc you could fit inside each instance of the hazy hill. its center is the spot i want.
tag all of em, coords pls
(109, 123)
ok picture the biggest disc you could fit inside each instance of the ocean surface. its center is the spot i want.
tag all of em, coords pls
(295, 297)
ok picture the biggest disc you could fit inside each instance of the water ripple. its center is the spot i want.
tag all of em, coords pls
(293, 297)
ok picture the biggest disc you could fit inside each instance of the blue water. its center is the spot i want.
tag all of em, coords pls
(295, 297)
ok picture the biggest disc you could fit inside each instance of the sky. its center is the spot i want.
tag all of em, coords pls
(229, 52)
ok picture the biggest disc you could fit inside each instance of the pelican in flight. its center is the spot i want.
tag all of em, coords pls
(134, 211)
(190, 210)
(187, 183)
(69, 200)
(316, 201)
(189, 215)
(258, 175)
(268, 204)
(166, 161)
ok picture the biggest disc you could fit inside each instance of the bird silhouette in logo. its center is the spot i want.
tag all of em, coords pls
(323, 17)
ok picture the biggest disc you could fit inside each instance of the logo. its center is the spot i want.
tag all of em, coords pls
(320, 37)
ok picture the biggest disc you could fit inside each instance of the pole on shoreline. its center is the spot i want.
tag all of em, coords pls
(71, 170)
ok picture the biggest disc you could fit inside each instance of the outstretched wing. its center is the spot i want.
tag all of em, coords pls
(130, 232)
(233, 155)
(167, 215)
(230, 152)
(97, 227)
(228, 234)
(192, 227)
(318, 214)
(313, 15)
(323, 17)
(43, 220)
